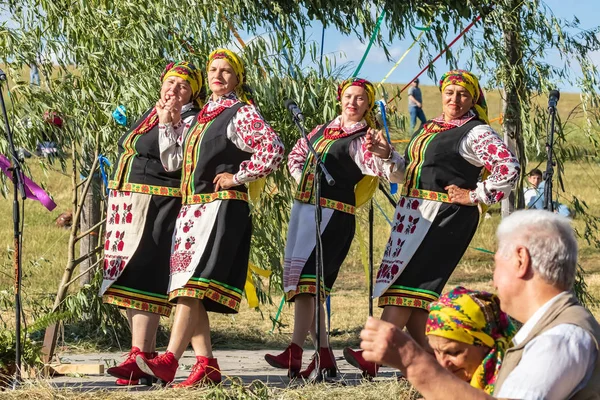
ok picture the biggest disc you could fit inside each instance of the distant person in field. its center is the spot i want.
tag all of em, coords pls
(415, 105)
(353, 151)
(49, 146)
(534, 194)
(226, 149)
(555, 355)
(437, 214)
(143, 204)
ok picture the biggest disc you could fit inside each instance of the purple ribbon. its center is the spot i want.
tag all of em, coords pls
(32, 190)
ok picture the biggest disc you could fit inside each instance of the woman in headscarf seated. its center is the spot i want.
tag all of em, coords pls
(469, 335)
(228, 146)
(437, 214)
(355, 154)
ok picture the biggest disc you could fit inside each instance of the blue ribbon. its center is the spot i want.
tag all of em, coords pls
(103, 161)
(393, 186)
(383, 212)
(120, 115)
(286, 55)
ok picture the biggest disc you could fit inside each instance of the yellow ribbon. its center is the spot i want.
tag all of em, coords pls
(249, 287)
(364, 255)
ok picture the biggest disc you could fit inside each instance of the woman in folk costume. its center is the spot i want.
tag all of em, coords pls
(437, 214)
(469, 335)
(143, 203)
(227, 146)
(351, 149)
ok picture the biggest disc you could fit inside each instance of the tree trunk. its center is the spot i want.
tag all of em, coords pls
(513, 75)
(90, 216)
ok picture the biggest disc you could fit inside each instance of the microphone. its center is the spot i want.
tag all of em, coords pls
(293, 109)
(2, 75)
(553, 98)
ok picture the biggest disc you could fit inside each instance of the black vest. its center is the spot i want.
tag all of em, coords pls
(340, 165)
(442, 164)
(215, 154)
(145, 167)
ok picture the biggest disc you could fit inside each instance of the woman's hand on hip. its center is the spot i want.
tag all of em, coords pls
(223, 181)
(377, 144)
(458, 195)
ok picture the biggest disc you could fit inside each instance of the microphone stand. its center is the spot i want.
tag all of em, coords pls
(549, 173)
(18, 187)
(316, 375)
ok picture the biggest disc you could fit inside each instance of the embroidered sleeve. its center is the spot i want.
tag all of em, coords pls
(483, 147)
(392, 169)
(297, 156)
(170, 140)
(252, 134)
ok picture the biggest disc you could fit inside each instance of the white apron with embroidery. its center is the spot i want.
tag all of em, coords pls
(125, 220)
(301, 241)
(194, 224)
(412, 220)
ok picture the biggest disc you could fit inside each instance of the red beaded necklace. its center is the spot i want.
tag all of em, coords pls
(205, 116)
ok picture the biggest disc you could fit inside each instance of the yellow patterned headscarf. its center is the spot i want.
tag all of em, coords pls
(369, 88)
(192, 75)
(242, 90)
(473, 317)
(470, 82)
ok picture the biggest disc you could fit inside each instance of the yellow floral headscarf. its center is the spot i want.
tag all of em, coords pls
(192, 75)
(470, 82)
(242, 90)
(369, 88)
(475, 318)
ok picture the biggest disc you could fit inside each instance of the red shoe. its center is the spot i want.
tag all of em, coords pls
(327, 364)
(127, 382)
(205, 371)
(290, 359)
(356, 359)
(163, 367)
(128, 369)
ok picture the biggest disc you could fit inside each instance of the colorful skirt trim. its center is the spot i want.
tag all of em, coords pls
(218, 292)
(145, 189)
(125, 297)
(307, 285)
(403, 296)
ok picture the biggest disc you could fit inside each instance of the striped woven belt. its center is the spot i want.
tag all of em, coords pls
(210, 197)
(425, 194)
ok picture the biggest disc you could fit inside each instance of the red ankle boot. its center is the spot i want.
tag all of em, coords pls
(355, 358)
(327, 364)
(128, 369)
(290, 359)
(205, 371)
(162, 367)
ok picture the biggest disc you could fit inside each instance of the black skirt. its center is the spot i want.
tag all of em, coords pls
(144, 283)
(220, 275)
(337, 239)
(442, 248)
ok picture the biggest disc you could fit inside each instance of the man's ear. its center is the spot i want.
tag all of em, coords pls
(524, 261)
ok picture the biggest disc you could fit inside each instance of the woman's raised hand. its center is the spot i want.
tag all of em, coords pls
(163, 112)
(377, 144)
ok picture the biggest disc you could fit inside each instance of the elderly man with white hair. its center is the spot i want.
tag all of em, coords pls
(555, 355)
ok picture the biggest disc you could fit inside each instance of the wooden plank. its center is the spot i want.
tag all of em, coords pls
(83, 369)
